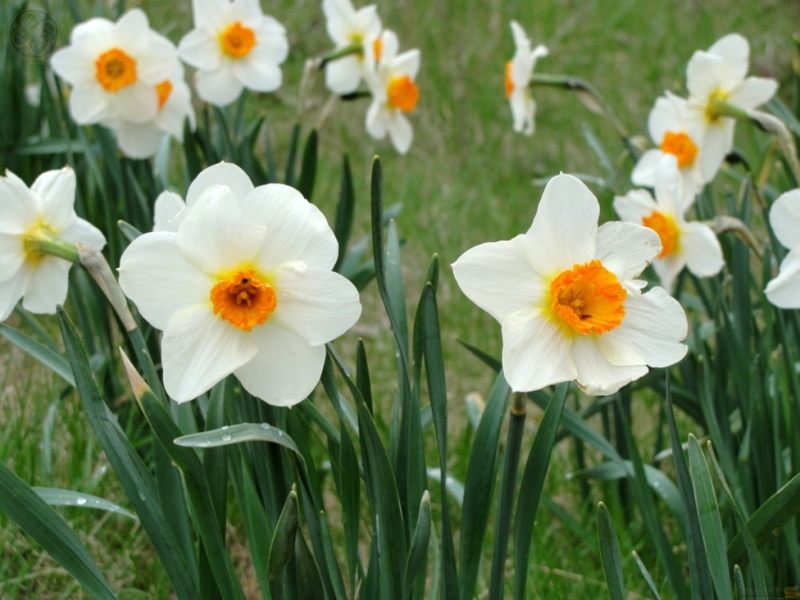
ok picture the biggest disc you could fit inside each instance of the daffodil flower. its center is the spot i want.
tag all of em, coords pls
(683, 244)
(349, 29)
(142, 140)
(718, 74)
(244, 286)
(38, 233)
(234, 45)
(784, 216)
(114, 69)
(518, 79)
(394, 91)
(566, 296)
(670, 130)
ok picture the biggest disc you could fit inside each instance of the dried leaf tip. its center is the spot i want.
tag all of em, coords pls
(140, 388)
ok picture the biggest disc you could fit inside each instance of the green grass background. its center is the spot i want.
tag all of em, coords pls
(468, 179)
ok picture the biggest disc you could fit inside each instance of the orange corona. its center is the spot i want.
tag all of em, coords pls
(403, 93)
(509, 82)
(164, 89)
(244, 300)
(237, 41)
(115, 70)
(377, 48)
(680, 145)
(588, 298)
(664, 226)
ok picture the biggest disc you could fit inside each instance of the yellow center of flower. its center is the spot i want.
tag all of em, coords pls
(403, 93)
(164, 89)
(237, 41)
(588, 298)
(509, 83)
(115, 70)
(244, 300)
(711, 112)
(664, 226)
(681, 145)
(377, 48)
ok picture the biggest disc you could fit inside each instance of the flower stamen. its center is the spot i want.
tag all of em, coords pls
(244, 300)
(680, 145)
(237, 41)
(115, 70)
(588, 298)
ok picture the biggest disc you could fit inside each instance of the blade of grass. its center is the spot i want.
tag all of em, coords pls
(610, 554)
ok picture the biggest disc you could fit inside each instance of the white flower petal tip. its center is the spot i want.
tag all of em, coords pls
(240, 281)
(519, 71)
(36, 224)
(234, 46)
(566, 295)
(784, 217)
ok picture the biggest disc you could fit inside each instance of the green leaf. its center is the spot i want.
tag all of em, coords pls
(236, 434)
(479, 485)
(308, 170)
(419, 544)
(710, 520)
(488, 359)
(132, 472)
(281, 551)
(128, 230)
(59, 497)
(40, 352)
(309, 580)
(530, 490)
(290, 161)
(51, 146)
(646, 574)
(30, 511)
(610, 554)
(741, 590)
(344, 212)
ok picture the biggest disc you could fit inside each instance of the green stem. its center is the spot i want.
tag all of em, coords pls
(45, 242)
(341, 53)
(508, 484)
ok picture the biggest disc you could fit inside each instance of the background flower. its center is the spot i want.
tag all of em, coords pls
(518, 78)
(784, 216)
(349, 27)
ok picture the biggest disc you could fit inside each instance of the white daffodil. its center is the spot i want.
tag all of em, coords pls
(518, 78)
(34, 223)
(245, 287)
(349, 28)
(784, 216)
(669, 128)
(234, 46)
(142, 140)
(393, 90)
(719, 75)
(566, 295)
(114, 69)
(683, 244)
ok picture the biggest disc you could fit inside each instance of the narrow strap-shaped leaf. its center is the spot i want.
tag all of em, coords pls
(236, 434)
(610, 554)
(741, 590)
(710, 520)
(330, 563)
(419, 544)
(30, 511)
(309, 581)
(308, 168)
(646, 574)
(345, 212)
(40, 352)
(59, 497)
(281, 551)
(215, 460)
(292, 158)
(530, 489)
(479, 485)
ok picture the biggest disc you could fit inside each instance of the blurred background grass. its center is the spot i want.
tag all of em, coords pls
(468, 179)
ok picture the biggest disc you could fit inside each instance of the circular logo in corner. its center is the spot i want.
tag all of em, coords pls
(33, 34)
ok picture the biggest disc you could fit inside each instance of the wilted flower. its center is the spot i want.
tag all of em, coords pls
(719, 75)
(34, 223)
(245, 287)
(669, 128)
(566, 295)
(518, 78)
(683, 244)
(234, 46)
(349, 27)
(393, 89)
(114, 69)
(784, 216)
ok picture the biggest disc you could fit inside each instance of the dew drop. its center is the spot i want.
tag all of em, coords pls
(280, 434)
(224, 427)
(225, 438)
(81, 501)
(265, 426)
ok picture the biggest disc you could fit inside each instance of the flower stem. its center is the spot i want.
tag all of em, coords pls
(340, 53)
(508, 484)
(44, 242)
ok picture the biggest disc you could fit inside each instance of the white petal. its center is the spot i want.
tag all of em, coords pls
(166, 210)
(159, 280)
(644, 173)
(565, 226)
(75, 65)
(199, 349)
(319, 305)
(12, 290)
(753, 92)
(400, 131)
(784, 216)
(703, 75)
(12, 255)
(84, 233)
(734, 51)
(635, 205)
(717, 142)
(375, 122)
(626, 249)
(596, 376)
(245, 10)
(219, 87)
(139, 140)
(132, 30)
(521, 40)
(536, 352)
(702, 250)
(295, 228)
(209, 13)
(650, 333)
(668, 115)
(20, 208)
(523, 110)
(389, 46)
(47, 286)
(223, 173)
(272, 44)
(338, 15)
(668, 268)
(498, 278)
(784, 290)
(137, 103)
(257, 74)
(286, 368)
(201, 50)
(159, 61)
(89, 104)
(57, 191)
(343, 75)
(407, 64)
